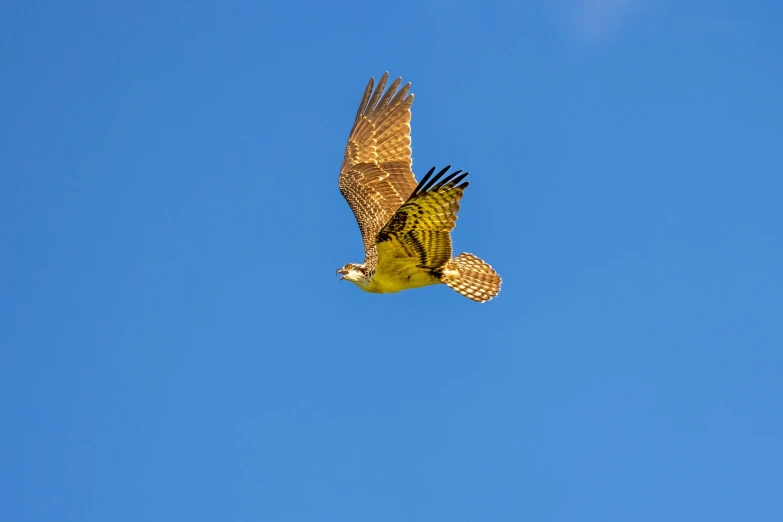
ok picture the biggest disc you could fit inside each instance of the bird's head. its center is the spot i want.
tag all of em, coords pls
(355, 273)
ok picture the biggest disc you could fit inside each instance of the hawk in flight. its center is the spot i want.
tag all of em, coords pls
(405, 225)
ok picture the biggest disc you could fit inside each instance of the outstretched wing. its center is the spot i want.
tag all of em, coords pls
(420, 229)
(376, 177)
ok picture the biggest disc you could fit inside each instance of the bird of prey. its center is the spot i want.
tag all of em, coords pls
(405, 225)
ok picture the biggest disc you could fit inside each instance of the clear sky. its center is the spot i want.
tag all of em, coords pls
(175, 345)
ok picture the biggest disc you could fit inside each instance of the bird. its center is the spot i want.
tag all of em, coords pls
(405, 226)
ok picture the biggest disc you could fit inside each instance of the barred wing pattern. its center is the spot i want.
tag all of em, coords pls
(376, 176)
(420, 229)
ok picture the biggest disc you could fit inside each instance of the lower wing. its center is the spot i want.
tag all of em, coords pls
(421, 228)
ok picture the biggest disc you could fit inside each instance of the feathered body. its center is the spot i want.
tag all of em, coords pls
(406, 227)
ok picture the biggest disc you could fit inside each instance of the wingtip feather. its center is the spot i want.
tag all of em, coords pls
(423, 182)
(436, 178)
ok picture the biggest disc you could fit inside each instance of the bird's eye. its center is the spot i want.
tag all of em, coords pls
(348, 266)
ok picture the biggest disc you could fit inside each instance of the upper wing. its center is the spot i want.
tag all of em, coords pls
(420, 229)
(376, 176)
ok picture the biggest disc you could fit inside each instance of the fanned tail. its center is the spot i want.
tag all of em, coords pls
(471, 277)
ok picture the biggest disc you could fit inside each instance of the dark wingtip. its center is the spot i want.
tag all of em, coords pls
(423, 181)
(436, 178)
(430, 182)
(451, 180)
(459, 178)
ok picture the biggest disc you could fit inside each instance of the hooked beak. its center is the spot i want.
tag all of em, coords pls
(341, 272)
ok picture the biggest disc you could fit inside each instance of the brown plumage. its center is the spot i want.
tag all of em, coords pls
(405, 226)
(475, 279)
(376, 176)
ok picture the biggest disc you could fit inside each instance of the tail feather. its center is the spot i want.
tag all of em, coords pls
(471, 277)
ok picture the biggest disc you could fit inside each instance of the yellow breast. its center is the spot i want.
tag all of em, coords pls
(397, 275)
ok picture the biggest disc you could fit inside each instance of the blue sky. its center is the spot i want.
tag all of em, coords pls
(175, 344)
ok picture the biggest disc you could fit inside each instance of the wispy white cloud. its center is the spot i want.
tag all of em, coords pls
(598, 21)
